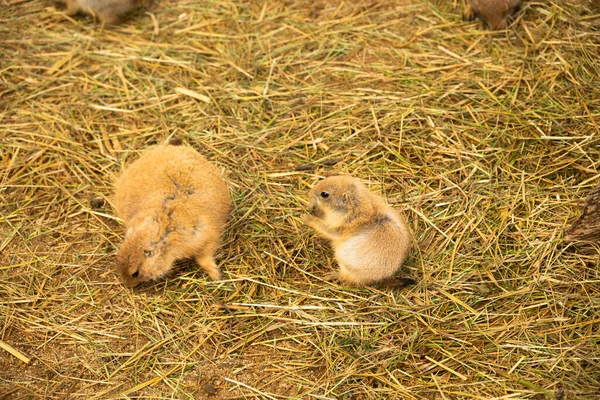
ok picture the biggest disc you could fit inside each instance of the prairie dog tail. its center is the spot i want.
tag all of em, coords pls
(395, 283)
(175, 141)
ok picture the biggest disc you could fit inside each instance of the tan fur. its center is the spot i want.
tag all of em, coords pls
(174, 204)
(108, 11)
(370, 238)
(495, 13)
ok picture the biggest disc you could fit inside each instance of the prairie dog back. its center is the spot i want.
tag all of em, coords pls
(170, 170)
(370, 238)
(174, 204)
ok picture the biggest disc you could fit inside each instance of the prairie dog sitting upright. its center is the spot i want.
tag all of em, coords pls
(174, 204)
(370, 239)
(495, 13)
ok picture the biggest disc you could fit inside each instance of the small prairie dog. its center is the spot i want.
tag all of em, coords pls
(370, 239)
(108, 11)
(495, 13)
(174, 205)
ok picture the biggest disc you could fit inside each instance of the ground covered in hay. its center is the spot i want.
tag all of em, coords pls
(487, 143)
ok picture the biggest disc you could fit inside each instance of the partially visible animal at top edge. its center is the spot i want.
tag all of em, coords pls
(370, 238)
(107, 11)
(174, 205)
(495, 13)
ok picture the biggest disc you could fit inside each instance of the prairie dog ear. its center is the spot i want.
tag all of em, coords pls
(350, 193)
(148, 221)
(129, 232)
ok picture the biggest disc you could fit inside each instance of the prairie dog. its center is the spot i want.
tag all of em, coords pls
(174, 205)
(108, 11)
(495, 13)
(370, 239)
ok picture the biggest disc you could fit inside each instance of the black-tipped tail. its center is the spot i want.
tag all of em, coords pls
(176, 141)
(396, 283)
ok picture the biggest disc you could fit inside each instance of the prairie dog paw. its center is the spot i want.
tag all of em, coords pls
(332, 276)
(469, 14)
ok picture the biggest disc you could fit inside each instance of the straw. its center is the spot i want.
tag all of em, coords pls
(486, 142)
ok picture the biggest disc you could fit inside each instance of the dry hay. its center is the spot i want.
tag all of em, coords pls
(487, 142)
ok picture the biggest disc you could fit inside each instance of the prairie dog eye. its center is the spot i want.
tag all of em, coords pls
(148, 253)
(324, 195)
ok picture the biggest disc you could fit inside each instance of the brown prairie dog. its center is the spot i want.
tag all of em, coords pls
(495, 13)
(370, 239)
(108, 11)
(174, 204)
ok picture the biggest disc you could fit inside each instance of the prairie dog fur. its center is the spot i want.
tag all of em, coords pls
(174, 205)
(495, 13)
(370, 239)
(108, 11)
